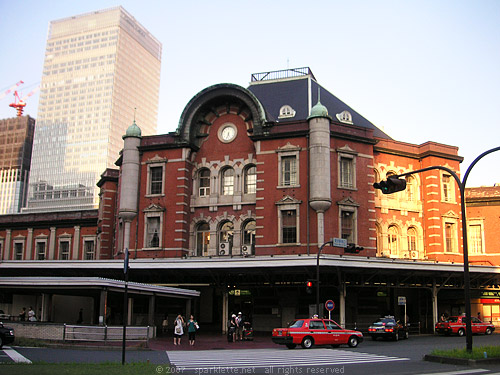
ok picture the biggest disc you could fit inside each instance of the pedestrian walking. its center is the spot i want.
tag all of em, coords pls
(22, 315)
(232, 328)
(192, 327)
(178, 329)
(239, 327)
(31, 315)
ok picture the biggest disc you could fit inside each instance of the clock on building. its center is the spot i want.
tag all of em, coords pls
(227, 132)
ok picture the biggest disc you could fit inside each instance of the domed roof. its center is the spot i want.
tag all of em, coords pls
(319, 110)
(133, 131)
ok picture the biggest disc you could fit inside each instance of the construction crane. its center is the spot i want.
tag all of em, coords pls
(19, 103)
(3, 95)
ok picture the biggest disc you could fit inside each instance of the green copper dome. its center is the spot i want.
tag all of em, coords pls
(319, 110)
(133, 131)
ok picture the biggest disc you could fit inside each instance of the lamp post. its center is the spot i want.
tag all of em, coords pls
(317, 274)
(461, 186)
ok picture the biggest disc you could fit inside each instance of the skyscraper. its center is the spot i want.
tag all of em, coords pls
(15, 155)
(99, 67)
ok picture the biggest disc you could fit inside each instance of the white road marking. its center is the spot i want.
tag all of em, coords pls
(15, 356)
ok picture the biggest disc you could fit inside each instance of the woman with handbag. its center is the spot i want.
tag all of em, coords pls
(178, 329)
(192, 326)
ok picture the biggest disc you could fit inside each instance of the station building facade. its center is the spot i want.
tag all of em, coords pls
(237, 201)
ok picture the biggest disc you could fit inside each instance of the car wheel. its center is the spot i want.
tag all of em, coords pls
(461, 332)
(1, 343)
(488, 331)
(353, 341)
(291, 346)
(307, 342)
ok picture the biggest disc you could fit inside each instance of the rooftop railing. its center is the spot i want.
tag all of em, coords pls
(282, 74)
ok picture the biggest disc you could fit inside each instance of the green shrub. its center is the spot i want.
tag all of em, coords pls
(477, 353)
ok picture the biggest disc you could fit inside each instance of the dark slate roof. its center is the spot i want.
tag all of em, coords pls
(294, 92)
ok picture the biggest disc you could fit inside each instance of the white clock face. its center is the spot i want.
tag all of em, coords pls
(228, 133)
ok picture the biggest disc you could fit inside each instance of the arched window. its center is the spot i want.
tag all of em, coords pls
(393, 238)
(248, 245)
(204, 182)
(412, 239)
(251, 180)
(202, 239)
(226, 233)
(228, 181)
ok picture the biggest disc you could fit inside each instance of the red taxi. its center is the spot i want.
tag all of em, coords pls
(456, 325)
(309, 332)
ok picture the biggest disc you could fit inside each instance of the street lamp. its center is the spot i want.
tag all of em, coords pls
(125, 303)
(392, 185)
(317, 274)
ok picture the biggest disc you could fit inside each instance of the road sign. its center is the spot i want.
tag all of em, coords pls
(402, 301)
(329, 305)
(339, 242)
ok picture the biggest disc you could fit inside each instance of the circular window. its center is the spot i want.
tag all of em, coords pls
(227, 132)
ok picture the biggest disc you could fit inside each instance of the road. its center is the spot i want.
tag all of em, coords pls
(370, 357)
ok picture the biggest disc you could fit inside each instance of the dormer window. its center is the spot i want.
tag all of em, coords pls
(345, 117)
(286, 112)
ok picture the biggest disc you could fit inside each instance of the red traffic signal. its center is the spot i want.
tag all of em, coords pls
(352, 248)
(309, 286)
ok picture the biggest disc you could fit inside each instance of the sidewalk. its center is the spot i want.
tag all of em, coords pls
(211, 341)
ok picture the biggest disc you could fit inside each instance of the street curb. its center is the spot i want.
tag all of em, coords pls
(461, 361)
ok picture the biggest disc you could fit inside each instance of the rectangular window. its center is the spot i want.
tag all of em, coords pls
(156, 178)
(18, 250)
(289, 226)
(288, 170)
(204, 183)
(447, 188)
(40, 250)
(153, 232)
(450, 237)
(89, 250)
(64, 250)
(346, 172)
(476, 239)
(347, 226)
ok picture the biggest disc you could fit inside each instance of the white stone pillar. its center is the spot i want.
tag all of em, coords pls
(29, 245)
(343, 292)
(76, 242)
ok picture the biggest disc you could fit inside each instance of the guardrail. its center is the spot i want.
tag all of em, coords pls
(105, 333)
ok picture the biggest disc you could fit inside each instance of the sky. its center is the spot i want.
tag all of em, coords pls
(426, 70)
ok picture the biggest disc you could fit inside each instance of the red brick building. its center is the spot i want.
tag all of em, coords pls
(238, 200)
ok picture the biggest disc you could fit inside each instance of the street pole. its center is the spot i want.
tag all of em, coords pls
(125, 305)
(317, 274)
(461, 186)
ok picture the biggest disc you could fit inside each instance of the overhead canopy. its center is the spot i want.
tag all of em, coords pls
(64, 283)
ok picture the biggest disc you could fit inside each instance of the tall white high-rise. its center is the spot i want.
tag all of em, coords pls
(101, 70)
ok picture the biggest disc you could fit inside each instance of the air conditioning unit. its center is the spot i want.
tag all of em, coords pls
(224, 248)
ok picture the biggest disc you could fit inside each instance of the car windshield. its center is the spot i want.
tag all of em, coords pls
(384, 321)
(297, 324)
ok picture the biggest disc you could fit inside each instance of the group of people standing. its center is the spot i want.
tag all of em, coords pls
(180, 324)
(31, 315)
(236, 327)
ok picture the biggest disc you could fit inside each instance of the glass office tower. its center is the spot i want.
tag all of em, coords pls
(101, 70)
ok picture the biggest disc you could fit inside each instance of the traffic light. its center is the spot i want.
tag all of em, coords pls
(309, 286)
(353, 249)
(391, 185)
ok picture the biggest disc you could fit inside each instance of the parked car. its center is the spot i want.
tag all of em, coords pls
(456, 325)
(6, 335)
(309, 332)
(4, 316)
(388, 328)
